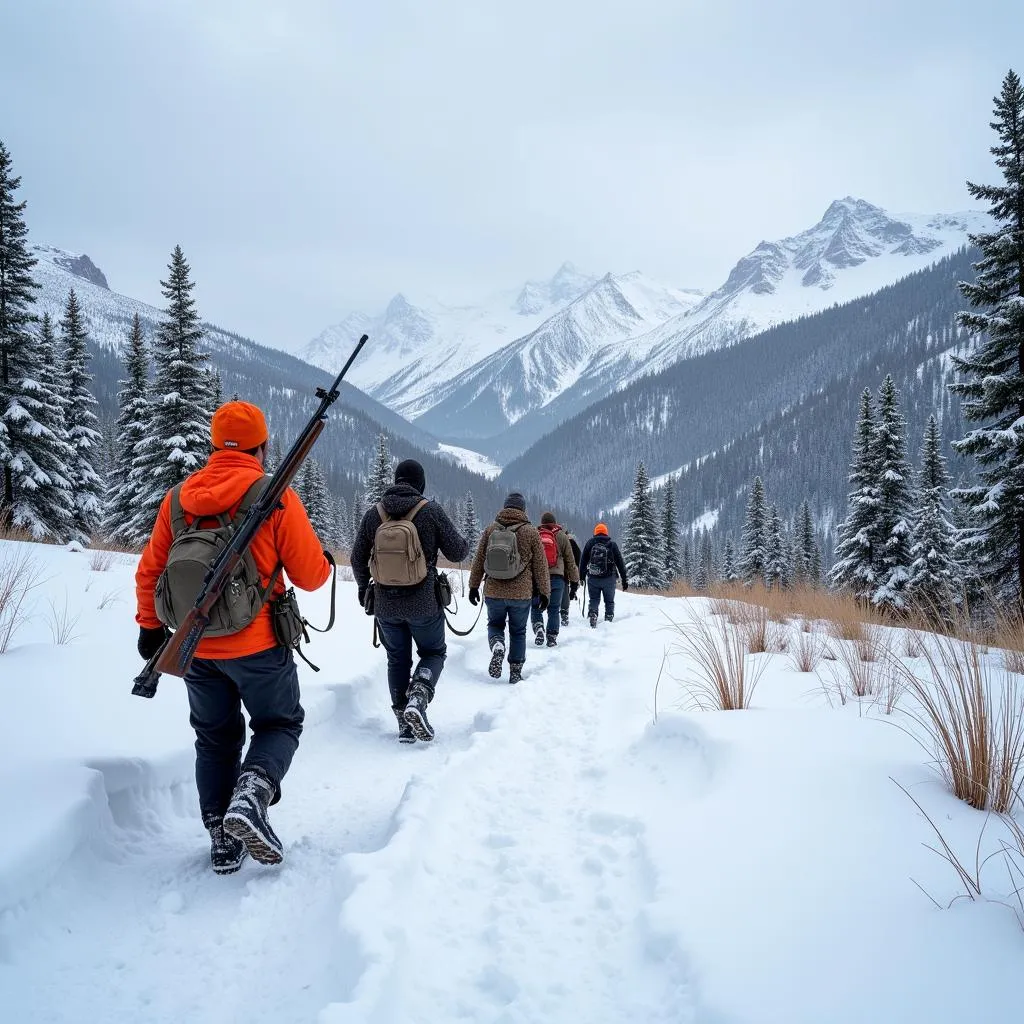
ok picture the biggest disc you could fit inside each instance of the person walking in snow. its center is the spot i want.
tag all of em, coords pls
(412, 613)
(565, 578)
(249, 668)
(601, 560)
(511, 556)
(569, 593)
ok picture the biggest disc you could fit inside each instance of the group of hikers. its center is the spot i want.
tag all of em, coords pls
(530, 574)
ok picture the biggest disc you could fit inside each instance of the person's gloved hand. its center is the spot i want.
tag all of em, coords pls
(474, 595)
(361, 594)
(150, 641)
(542, 602)
(625, 584)
(573, 588)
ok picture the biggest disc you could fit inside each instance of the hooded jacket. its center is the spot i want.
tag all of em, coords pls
(287, 539)
(613, 550)
(534, 579)
(436, 532)
(566, 566)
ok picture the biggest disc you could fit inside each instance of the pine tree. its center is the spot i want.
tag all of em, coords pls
(895, 513)
(470, 522)
(342, 524)
(132, 428)
(729, 573)
(34, 485)
(686, 561)
(993, 391)
(754, 551)
(933, 570)
(670, 533)
(380, 475)
(81, 422)
(639, 549)
(804, 573)
(179, 439)
(705, 574)
(216, 389)
(858, 551)
(312, 489)
(274, 454)
(775, 553)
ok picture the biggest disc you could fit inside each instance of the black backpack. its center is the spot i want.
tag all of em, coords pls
(600, 563)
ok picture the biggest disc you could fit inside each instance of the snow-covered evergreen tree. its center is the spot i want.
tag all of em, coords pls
(729, 571)
(858, 549)
(274, 454)
(804, 573)
(470, 523)
(671, 547)
(993, 388)
(132, 428)
(775, 570)
(216, 389)
(34, 485)
(705, 573)
(80, 422)
(933, 573)
(181, 406)
(381, 475)
(895, 511)
(644, 564)
(342, 524)
(754, 542)
(312, 489)
(686, 560)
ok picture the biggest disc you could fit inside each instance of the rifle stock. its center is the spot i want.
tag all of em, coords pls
(175, 656)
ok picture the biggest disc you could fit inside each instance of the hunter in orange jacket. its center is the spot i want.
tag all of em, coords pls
(286, 539)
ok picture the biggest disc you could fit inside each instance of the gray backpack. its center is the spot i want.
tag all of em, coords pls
(193, 551)
(397, 559)
(502, 560)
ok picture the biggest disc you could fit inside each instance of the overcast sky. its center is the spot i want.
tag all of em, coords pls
(317, 156)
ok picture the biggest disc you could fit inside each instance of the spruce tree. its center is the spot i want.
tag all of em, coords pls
(670, 533)
(858, 551)
(639, 549)
(81, 423)
(275, 456)
(895, 512)
(312, 489)
(179, 439)
(705, 562)
(754, 542)
(933, 571)
(729, 573)
(380, 475)
(132, 428)
(993, 388)
(686, 561)
(804, 572)
(470, 523)
(216, 389)
(34, 485)
(775, 552)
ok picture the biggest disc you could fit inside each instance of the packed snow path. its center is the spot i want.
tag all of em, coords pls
(554, 856)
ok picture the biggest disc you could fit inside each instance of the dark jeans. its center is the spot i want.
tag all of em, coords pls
(565, 601)
(518, 615)
(554, 605)
(267, 686)
(598, 587)
(397, 636)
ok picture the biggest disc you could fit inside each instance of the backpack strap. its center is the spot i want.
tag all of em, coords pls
(178, 522)
(384, 517)
(252, 494)
(415, 510)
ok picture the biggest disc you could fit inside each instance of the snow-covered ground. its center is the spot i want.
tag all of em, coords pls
(558, 854)
(475, 462)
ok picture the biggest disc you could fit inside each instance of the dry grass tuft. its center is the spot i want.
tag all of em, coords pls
(806, 651)
(101, 559)
(1008, 635)
(973, 718)
(757, 630)
(20, 575)
(62, 623)
(726, 675)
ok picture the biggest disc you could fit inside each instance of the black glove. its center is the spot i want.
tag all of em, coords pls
(542, 602)
(361, 593)
(573, 588)
(625, 584)
(474, 595)
(150, 641)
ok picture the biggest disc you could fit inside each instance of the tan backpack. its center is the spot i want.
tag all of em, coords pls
(397, 559)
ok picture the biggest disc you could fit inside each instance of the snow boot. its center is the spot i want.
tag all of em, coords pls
(416, 711)
(405, 733)
(226, 852)
(565, 618)
(497, 658)
(609, 616)
(246, 817)
(538, 634)
(552, 640)
(593, 620)
(515, 671)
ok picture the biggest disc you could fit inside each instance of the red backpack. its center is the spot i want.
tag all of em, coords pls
(547, 538)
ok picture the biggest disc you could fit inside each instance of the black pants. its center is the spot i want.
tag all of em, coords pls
(397, 636)
(601, 586)
(267, 686)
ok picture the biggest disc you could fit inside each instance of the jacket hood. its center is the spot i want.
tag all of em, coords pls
(220, 484)
(511, 516)
(400, 499)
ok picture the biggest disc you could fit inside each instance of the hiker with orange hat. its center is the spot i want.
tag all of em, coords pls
(241, 663)
(598, 566)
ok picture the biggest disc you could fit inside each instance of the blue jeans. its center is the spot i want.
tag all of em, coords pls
(518, 614)
(267, 685)
(554, 605)
(397, 636)
(601, 586)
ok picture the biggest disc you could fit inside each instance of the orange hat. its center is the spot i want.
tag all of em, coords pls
(601, 529)
(238, 425)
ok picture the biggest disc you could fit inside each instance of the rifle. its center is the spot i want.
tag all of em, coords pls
(178, 650)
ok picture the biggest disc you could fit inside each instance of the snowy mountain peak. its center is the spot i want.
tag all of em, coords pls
(75, 263)
(567, 283)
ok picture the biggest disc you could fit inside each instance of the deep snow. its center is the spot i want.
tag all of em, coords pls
(558, 854)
